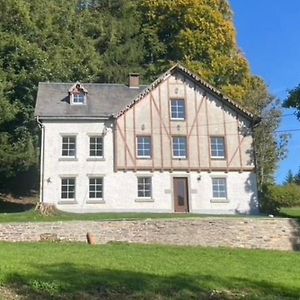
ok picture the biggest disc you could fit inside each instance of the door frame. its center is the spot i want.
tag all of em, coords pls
(189, 202)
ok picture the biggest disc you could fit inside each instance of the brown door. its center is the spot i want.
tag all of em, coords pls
(180, 187)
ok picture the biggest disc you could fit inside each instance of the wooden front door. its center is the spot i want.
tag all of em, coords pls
(180, 192)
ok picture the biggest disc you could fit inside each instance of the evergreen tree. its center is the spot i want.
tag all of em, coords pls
(102, 41)
(289, 178)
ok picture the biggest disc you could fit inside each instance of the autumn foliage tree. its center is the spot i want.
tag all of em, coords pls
(104, 40)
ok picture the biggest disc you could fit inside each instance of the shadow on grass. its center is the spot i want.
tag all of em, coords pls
(65, 281)
(294, 220)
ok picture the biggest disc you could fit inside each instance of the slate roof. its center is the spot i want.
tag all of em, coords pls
(112, 100)
(103, 100)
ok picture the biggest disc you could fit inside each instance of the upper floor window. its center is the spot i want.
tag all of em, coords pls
(96, 146)
(77, 94)
(144, 146)
(179, 147)
(217, 147)
(177, 109)
(69, 146)
(79, 98)
(219, 188)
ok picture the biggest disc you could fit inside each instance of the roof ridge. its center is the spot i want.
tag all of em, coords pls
(204, 83)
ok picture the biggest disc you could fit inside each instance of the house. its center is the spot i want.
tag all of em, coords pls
(177, 145)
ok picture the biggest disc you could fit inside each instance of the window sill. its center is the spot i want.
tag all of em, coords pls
(68, 159)
(95, 159)
(143, 157)
(96, 201)
(219, 200)
(218, 158)
(177, 119)
(67, 202)
(144, 200)
(179, 157)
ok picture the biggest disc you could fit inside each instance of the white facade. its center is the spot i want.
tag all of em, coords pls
(120, 188)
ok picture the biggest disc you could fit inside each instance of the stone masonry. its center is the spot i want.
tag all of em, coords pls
(260, 233)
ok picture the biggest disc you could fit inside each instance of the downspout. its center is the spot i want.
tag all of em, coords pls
(42, 127)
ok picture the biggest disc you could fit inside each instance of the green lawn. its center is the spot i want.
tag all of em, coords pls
(291, 212)
(33, 216)
(121, 271)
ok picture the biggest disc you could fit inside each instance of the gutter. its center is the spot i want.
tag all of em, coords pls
(42, 159)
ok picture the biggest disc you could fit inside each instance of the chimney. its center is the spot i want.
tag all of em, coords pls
(134, 80)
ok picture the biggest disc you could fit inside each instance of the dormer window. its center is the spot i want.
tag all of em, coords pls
(77, 94)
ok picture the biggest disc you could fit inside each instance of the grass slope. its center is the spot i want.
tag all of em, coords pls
(78, 271)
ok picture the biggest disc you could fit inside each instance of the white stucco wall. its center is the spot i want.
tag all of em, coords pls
(120, 188)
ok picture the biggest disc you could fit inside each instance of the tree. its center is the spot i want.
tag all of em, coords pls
(293, 100)
(297, 177)
(289, 178)
(104, 40)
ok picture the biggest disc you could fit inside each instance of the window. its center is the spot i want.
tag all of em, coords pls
(77, 94)
(177, 109)
(96, 146)
(79, 98)
(219, 188)
(69, 146)
(96, 188)
(68, 188)
(179, 147)
(217, 147)
(144, 187)
(144, 146)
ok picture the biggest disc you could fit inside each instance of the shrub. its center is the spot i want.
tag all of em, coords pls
(274, 197)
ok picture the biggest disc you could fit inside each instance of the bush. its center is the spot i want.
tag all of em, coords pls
(274, 197)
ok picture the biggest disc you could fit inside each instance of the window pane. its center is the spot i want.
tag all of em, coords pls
(219, 188)
(144, 146)
(179, 147)
(68, 188)
(96, 187)
(178, 109)
(144, 187)
(96, 146)
(217, 147)
(68, 146)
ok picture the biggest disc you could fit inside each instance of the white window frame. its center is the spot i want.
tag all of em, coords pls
(95, 191)
(216, 183)
(175, 143)
(96, 147)
(174, 107)
(142, 144)
(75, 97)
(142, 188)
(67, 185)
(217, 150)
(68, 136)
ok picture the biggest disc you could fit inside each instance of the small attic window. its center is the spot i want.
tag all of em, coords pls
(77, 94)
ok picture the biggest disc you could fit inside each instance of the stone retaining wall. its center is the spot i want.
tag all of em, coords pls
(280, 234)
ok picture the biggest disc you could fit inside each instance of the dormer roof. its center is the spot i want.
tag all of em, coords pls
(77, 87)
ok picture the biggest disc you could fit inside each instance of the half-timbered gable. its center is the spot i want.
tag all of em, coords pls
(180, 107)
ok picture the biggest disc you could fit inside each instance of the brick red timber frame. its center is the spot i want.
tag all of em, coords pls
(155, 111)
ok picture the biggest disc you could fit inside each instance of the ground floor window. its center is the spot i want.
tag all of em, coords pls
(219, 188)
(68, 188)
(95, 187)
(144, 187)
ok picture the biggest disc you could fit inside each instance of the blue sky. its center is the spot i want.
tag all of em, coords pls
(269, 35)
